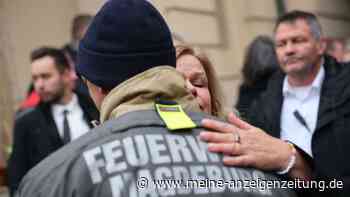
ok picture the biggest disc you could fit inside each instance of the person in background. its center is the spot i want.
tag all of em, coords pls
(79, 26)
(260, 62)
(32, 99)
(346, 57)
(201, 78)
(299, 126)
(61, 115)
(335, 48)
(78, 29)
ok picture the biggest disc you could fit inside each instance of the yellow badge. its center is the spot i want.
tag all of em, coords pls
(173, 115)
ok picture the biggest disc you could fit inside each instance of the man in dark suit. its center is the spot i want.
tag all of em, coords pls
(305, 111)
(61, 116)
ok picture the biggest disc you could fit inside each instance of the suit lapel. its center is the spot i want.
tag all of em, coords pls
(89, 109)
(329, 94)
(276, 105)
(325, 112)
(50, 125)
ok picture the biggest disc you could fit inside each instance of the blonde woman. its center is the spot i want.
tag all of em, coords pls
(200, 78)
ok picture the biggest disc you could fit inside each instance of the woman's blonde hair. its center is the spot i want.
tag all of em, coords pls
(213, 83)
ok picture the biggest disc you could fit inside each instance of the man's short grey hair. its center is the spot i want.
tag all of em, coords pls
(311, 20)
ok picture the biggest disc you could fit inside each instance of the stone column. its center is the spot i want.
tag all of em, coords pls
(6, 96)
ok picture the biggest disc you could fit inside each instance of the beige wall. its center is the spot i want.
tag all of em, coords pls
(32, 24)
(6, 101)
(25, 25)
(334, 15)
(223, 28)
(89, 6)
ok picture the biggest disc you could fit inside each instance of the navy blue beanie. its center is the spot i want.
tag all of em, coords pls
(125, 38)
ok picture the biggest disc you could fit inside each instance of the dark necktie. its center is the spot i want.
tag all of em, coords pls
(66, 129)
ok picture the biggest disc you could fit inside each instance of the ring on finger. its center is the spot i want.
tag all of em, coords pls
(236, 137)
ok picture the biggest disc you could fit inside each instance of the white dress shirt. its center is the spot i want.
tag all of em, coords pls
(306, 101)
(77, 124)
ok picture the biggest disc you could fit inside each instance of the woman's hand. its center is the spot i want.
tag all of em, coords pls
(247, 146)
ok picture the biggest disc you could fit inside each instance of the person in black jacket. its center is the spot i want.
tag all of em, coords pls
(79, 26)
(40, 131)
(260, 63)
(305, 106)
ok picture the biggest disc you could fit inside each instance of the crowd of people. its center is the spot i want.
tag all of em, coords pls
(114, 106)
